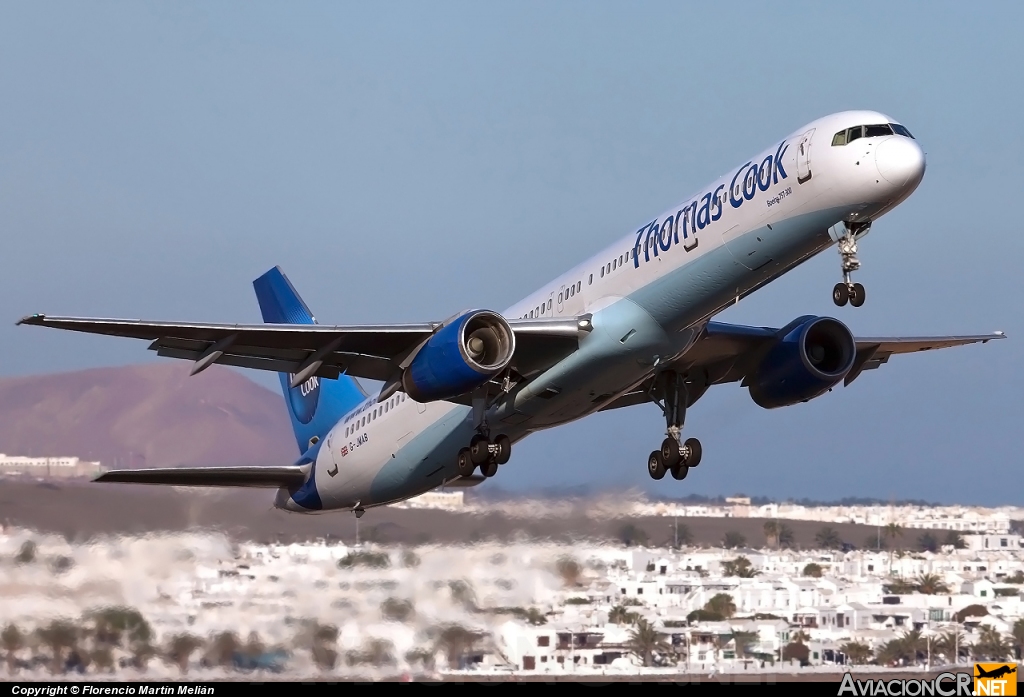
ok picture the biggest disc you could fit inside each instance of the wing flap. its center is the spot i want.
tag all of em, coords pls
(271, 477)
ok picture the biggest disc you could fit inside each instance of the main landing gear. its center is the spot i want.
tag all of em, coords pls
(848, 291)
(485, 454)
(676, 456)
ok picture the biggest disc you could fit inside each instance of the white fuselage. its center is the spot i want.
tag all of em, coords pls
(650, 293)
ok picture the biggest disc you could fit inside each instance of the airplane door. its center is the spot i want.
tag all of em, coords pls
(749, 250)
(803, 157)
(561, 294)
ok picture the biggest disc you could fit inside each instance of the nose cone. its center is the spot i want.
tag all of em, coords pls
(900, 161)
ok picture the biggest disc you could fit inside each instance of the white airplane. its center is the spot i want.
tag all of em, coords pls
(630, 325)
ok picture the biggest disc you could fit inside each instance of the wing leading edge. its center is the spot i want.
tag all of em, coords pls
(724, 353)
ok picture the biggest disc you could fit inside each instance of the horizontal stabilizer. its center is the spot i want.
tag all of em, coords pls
(273, 477)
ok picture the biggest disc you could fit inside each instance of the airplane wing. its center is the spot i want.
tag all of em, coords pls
(373, 352)
(293, 475)
(727, 353)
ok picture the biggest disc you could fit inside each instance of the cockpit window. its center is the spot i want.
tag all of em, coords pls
(900, 130)
(872, 131)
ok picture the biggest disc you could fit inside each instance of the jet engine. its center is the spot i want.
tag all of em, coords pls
(805, 363)
(461, 356)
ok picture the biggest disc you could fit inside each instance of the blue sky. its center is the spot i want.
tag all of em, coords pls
(403, 161)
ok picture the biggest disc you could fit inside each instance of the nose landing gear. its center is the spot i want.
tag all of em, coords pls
(675, 456)
(848, 291)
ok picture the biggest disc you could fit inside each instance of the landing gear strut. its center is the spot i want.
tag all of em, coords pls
(675, 455)
(482, 451)
(848, 291)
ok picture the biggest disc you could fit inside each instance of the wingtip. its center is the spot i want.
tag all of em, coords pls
(31, 319)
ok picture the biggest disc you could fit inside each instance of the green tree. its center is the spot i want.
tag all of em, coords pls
(828, 538)
(222, 649)
(645, 642)
(396, 610)
(733, 539)
(321, 638)
(813, 570)
(931, 584)
(632, 536)
(409, 559)
(60, 636)
(955, 539)
(739, 567)
(927, 542)
(27, 553)
(771, 533)
(180, 648)
(1017, 639)
(743, 642)
(892, 531)
(535, 617)
(899, 586)
(970, 611)
(949, 643)
(991, 646)
(798, 651)
(456, 641)
(463, 594)
(721, 604)
(122, 627)
(681, 534)
(13, 641)
(570, 571)
(786, 537)
(856, 653)
(620, 615)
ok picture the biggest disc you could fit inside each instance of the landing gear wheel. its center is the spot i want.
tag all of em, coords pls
(680, 471)
(504, 446)
(656, 465)
(670, 452)
(840, 294)
(693, 453)
(857, 295)
(489, 469)
(478, 450)
(465, 464)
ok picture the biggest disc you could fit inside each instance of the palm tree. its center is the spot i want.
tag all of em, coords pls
(644, 642)
(931, 584)
(59, 636)
(743, 641)
(786, 536)
(800, 637)
(949, 643)
(856, 653)
(914, 645)
(991, 645)
(733, 540)
(13, 641)
(180, 649)
(899, 586)
(222, 650)
(892, 531)
(828, 538)
(892, 653)
(620, 615)
(955, 539)
(771, 533)
(321, 643)
(928, 542)
(1017, 638)
(721, 604)
(739, 567)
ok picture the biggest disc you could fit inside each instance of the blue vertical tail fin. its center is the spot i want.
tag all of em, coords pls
(316, 405)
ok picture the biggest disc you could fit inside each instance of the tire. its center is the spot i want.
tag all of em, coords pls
(465, 464)
(656, 465)
(840, 294)
(478, 451)
(504, 449)
(858, 295)
(680, 471)
(489, 469)
(693, 458)
(670, 452)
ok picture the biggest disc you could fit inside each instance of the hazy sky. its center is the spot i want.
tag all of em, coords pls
(403, 161)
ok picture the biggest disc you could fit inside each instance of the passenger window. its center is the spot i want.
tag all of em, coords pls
(579, 286)
(854, 134)
(559, 297)
(549, 306)
(839, 138)
(877, 131)
(602, 272)
(614, 264)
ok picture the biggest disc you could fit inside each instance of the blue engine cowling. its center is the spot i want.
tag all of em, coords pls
(459, 357)
(805, 363)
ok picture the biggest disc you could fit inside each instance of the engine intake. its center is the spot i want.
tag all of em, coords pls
(805, 363)
(461, 356)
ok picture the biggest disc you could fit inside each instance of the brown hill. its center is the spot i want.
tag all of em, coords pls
(152, 415)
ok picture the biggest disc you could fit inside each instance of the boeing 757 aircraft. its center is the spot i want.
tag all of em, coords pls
(631, 325)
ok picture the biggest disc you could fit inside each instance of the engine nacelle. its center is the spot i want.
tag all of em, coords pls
(805, 363)
(461, 356)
